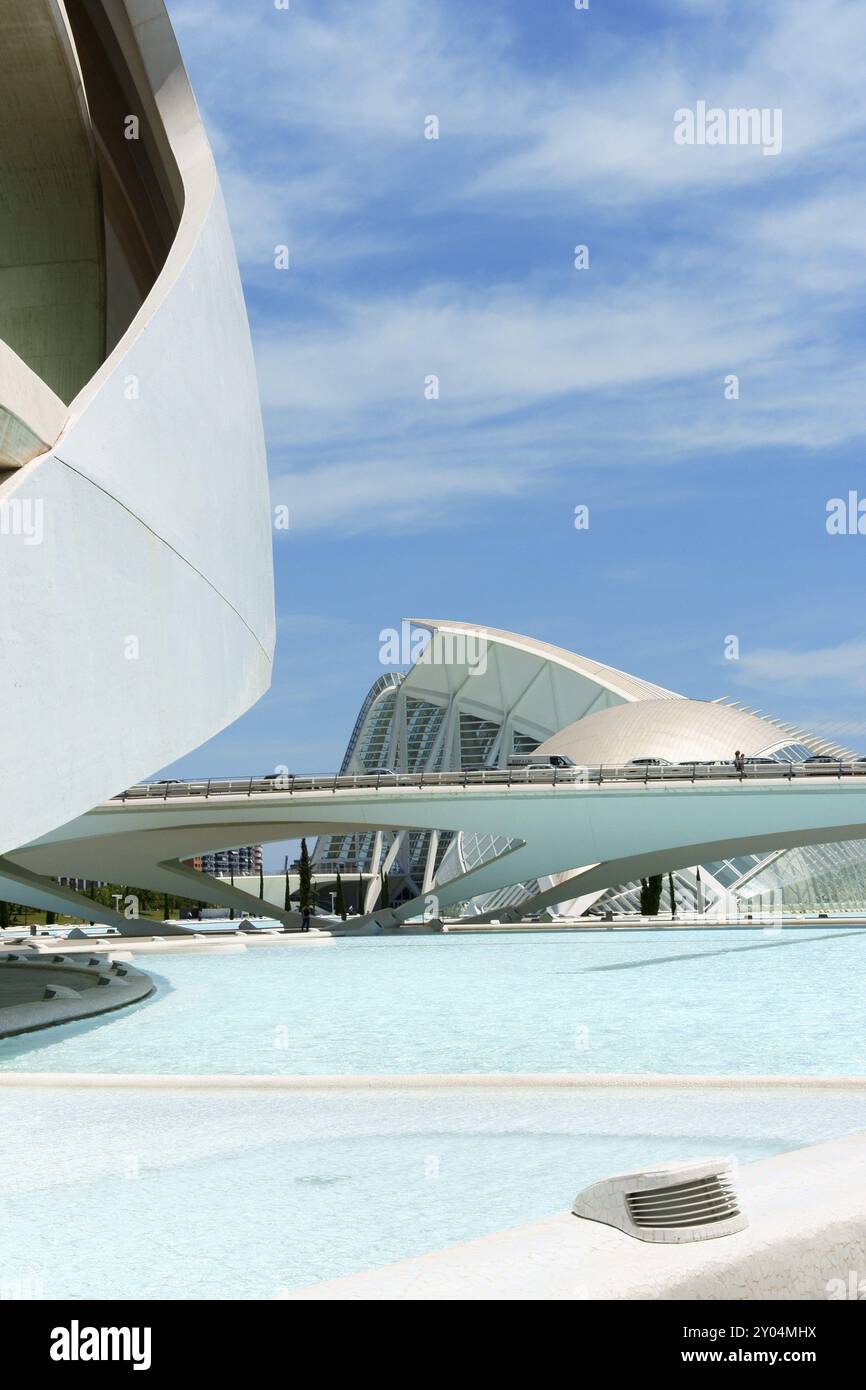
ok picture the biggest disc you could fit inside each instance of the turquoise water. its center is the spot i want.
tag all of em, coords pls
(740, 1002)
(142, 1194)
(195, 1194)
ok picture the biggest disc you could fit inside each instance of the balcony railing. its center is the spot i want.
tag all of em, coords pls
(516, 777)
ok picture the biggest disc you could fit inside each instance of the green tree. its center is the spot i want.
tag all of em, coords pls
(261, 882)
(650, 895)
(672, 896)
(386, 891)
(5, 915)
(287, 900)
(340, 904)
(305, 887)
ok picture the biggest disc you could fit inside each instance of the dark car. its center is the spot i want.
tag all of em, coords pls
(822, 763)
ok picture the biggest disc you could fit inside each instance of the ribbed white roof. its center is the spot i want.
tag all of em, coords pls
(608, 677)
(679, 731)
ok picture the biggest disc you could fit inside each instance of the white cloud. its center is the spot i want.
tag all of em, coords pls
(714, 260)
(500, 349)
(844, 665)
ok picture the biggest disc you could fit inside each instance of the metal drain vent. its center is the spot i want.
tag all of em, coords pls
(674, 1203)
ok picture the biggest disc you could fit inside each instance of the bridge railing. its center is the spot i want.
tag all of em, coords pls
(647, 774)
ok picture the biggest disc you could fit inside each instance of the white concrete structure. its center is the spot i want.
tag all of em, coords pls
(136, 589)
(475, 695)
(620, 829)
(806, 1239)
(687, 731)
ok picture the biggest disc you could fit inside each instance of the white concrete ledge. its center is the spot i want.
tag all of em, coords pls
(39, 992)
(191, 943)
(807, 1234)
(430, 1081)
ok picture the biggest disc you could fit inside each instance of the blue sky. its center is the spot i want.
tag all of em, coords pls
(558, 387)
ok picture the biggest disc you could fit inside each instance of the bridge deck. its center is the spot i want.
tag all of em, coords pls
(628, 774)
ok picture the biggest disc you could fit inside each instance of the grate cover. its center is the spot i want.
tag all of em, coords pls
(673, 1203)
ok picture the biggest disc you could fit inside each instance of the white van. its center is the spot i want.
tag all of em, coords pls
(547, 762)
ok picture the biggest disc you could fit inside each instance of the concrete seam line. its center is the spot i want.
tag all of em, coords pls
(427, 1081)
(99, 486)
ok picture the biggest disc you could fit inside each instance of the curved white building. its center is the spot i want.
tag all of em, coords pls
(477, 695)
(688, 731)
(136, 586)
(472, 698)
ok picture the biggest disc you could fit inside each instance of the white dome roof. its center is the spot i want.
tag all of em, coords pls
(677, 730)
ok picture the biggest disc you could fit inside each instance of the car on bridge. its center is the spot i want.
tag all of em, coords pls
(560, 764)
(821, 764)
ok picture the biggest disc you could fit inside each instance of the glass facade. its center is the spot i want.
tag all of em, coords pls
(790, 753)
(423, 723)
(375, 742)
(225, 862)
(477, 737)
(813, 878)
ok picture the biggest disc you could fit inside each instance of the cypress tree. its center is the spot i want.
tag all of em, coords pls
(656, 891)
(305, 887)
(340, 905)
(650, 895)
(672, 896)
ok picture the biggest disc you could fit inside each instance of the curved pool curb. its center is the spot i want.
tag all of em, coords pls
(421, 1081)
(66, 989)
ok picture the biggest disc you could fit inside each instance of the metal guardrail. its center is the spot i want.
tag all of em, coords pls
(510, 777)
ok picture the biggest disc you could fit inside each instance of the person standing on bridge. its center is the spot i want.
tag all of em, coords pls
(305, 919)
(740, 761)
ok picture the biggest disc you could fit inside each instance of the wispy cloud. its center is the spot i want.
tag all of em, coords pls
(842, 667)
(705, 261)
